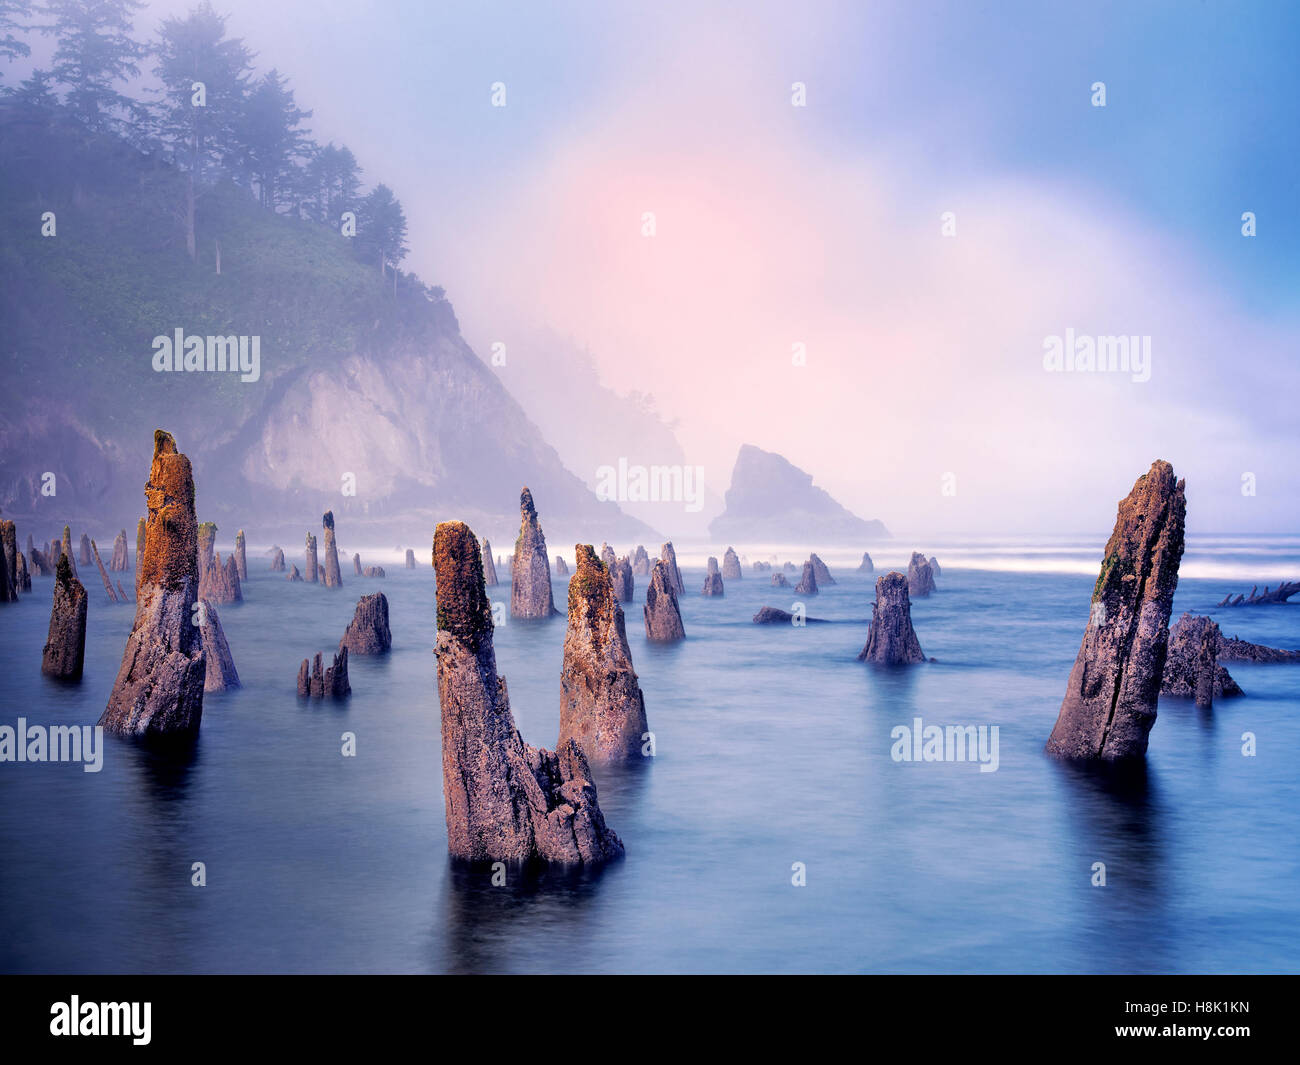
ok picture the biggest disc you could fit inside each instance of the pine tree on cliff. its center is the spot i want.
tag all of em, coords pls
(381, 229)
(95, 51)
(272, 142)
(199, 123)
(11, 11)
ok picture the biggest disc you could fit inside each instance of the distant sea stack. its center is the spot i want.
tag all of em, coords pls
(293, 575)
(1110, 700)
(159, 688)
(762, 567)
(934, 567)
(220, 582)
(84, 557)
(769, 497)
(65, 647)
(670, 556)
(1192, 669)
(8, 584)
(730, 566)
(66, 549)
(530, 570)
(620, 575)
(325, 682)
(820, 571)
(25, 576)
(220, 674)
(241, 555)
(505, 800)
(410, 559)
(891, 640)
(277, 561)
(866, 566)
(373, 571)
(779, 581)
(368, 632)
(489, 568)
(640, 561)
(207, 539)
(663, 616)
(808, 581)
(333, 577)
(920, 577)
(561, 567)
(311, 567)
(356, 564)
(601, 705)
(606, 556)
(119, 563)
(712, 580)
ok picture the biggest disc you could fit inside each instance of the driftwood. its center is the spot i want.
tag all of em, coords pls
(1280, 594)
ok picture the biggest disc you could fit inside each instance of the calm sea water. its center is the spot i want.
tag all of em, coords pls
(773, 748)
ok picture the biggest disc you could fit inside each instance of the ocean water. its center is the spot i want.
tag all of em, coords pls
(773, 747)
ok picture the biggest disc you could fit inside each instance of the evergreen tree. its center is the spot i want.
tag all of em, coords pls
(204, 77)
(95, 51)
(10, 12)
(381, 228)
(270, 140)
(334, 179)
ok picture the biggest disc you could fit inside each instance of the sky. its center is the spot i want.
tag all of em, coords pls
(923, 398)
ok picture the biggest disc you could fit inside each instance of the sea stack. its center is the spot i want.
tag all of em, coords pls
(65, 647)
(356, 564)
(293, 575)
(891, 640)
(820, 571)
(66, 548)
(808, 581)
(779, 580)
(325, 682)
(311, 565)
(530, 570)
(606, 556)
(1192, 669)
(730, 566)
(220, 581)
(220, 673)
(601, 705)
(207, 539)
(25, 576)
(561, 567)
(489, 567)
(641, 561)
(373, 571)
(333, 577)
(920, 577)
(8, 587)
(620, 573)
(119, 562)
(1110, 700)
(83, 558)
(241, 555)
(368, 632)
(505, 800)
(9, 534)
(277, 561)
(159, 688)
(712, 580)
(670, 556)
(410, 559)
(934, 567)
(866, 566)
(663, 615)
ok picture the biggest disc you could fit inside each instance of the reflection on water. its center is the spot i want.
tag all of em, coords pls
(772, 756)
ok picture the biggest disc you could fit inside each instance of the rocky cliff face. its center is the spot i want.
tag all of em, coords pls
(1110, 700)
(530, 570)
(505, 800)
(891, 640)
(772, 500)
(601, 705)
(159, 687)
